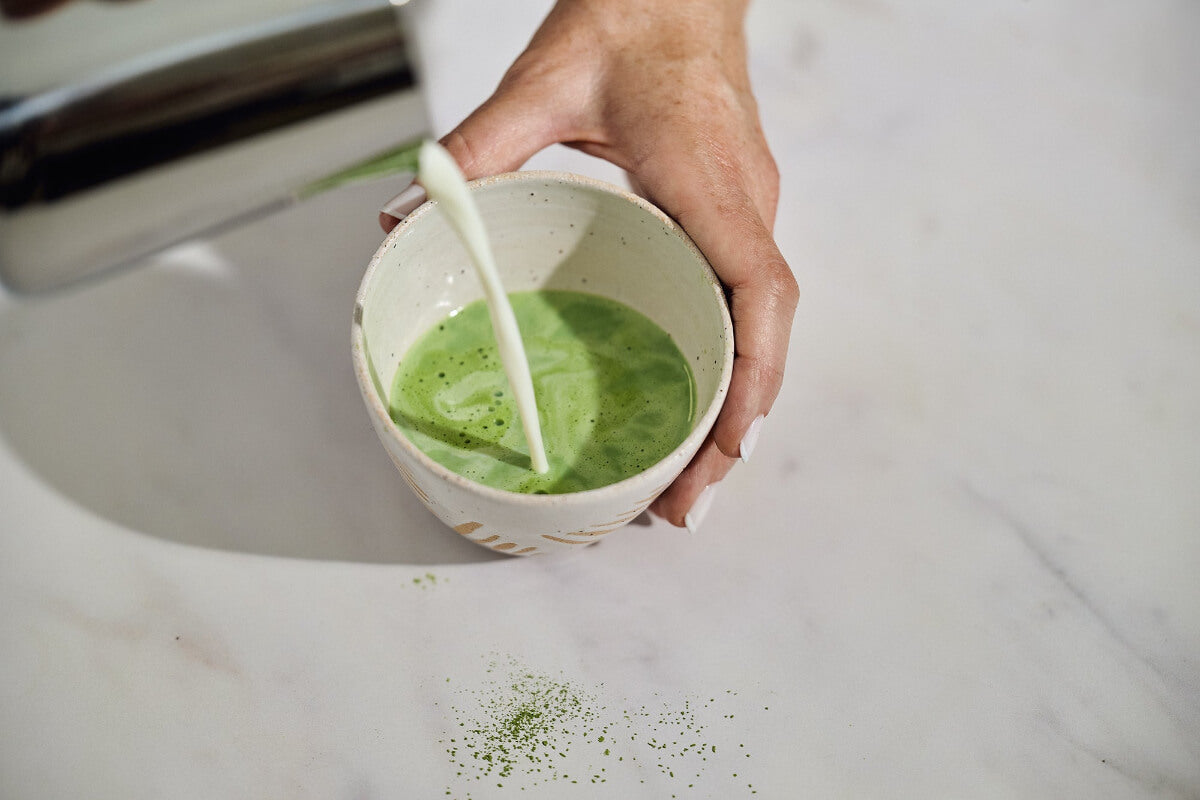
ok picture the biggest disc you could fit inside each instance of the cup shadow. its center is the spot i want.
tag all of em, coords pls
(449, 436)
(208, 397)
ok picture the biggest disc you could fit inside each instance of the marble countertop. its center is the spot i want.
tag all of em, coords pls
(962, 563)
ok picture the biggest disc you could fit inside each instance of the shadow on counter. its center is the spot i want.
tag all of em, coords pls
(208, 398)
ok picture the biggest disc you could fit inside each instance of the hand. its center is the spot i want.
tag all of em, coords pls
(660, 89)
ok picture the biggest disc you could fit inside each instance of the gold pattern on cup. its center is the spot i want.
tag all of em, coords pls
(411, 481)
(565, 541)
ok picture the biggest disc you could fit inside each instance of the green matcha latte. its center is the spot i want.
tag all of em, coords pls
(614, 394)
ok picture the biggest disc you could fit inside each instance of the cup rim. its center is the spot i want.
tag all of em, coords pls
(654, 474)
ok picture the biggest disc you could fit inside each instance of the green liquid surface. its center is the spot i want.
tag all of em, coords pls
(614, 394)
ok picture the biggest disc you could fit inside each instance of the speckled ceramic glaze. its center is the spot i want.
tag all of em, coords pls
(549, 230)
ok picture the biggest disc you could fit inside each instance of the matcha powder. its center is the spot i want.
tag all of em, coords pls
(523, 728)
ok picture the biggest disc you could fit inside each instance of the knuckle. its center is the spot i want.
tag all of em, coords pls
(764, 371)
(770, 170)
(781, 286)
(460, 147)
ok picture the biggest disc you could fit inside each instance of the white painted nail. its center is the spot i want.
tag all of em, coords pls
(405, 203)
(750, 440)
(695, 516)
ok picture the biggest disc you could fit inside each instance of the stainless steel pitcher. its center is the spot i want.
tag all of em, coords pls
(105, 169)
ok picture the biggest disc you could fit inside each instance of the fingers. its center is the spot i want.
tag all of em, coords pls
(708, 166)
(765, 190)
(763, 305)
(387, 221)
(499, 136)
(683, 497)
(502, 134)
(764, 296)
(523, 117)
(401, 206)
(682, 123)
(723, 220)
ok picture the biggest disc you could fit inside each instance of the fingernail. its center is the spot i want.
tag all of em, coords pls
(404, 203)
(695, 516)
(750, 440)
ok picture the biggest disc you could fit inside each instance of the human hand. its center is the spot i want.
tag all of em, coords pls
(660, 89)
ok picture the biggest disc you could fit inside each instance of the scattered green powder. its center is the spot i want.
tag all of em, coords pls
(428, 580)
(523, 728)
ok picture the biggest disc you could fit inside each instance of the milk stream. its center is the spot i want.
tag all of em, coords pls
(443, 182)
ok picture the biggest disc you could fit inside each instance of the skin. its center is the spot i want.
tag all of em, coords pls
(660, 89)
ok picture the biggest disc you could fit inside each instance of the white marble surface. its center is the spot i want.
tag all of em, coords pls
(963, 562)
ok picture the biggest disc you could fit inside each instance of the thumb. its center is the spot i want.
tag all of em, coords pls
(500, 135)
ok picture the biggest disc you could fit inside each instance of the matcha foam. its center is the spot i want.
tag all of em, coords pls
(615, 395)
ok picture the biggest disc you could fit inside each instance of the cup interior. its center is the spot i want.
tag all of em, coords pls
(548, 231)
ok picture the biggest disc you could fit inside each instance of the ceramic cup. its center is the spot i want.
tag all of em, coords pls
(549, 230)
